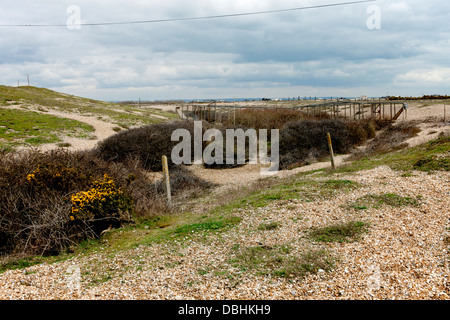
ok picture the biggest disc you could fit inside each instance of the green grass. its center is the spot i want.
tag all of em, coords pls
(345, 232)
(279, 261)
(20, 127)
(120, 114)
(377, 201)
(268, 226)
(301, 188)
(431, 156)
(436, 162)
(18, 264)
(209, 225)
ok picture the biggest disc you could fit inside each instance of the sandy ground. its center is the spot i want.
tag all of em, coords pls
(102, 131)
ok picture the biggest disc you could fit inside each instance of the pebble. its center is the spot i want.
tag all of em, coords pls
(402, 256)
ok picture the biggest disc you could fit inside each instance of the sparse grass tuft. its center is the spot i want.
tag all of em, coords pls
(268, 226)
(17, 264)
(210, 225)
(345, 232)
(416, 158)
(436, 162)
(376, 201)
(300, 188)
(279, 261)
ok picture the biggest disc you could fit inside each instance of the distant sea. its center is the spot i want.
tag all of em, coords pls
(308, 98)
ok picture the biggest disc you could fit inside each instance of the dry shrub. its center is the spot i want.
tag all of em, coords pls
(50, 200)
(391, 138)
(223, 129)
(304, 142)
(35, 203)
(147, 144)
(265, 118)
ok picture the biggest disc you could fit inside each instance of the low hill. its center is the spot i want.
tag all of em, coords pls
(32, 117)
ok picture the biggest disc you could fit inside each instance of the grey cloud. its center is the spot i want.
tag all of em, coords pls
(323, 48)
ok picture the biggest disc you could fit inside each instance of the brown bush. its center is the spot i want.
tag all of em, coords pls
(264, 118)
(147, 144)
(303, 142)
(391, 138)
(37, 206)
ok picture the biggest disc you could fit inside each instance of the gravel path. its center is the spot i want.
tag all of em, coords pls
(405, 255)
(102, 131)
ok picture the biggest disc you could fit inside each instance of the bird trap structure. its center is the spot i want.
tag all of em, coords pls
(358, 110)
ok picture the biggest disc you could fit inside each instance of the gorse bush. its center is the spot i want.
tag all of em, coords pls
(51, 200)
(35, 202)
(57, 176)
(103, 201)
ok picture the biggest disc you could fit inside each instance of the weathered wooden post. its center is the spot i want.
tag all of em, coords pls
(165, 167)
(330, 146)
(444, 112)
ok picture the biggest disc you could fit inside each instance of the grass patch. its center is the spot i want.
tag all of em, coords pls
(120, 114)
(425, 157)
(304, 189)
(268, 226)
(345, 232)
(18, 264)
(64, 145)
(210, 225)
(280, 262)
(437, 162)
(377, 201)
(19, 127)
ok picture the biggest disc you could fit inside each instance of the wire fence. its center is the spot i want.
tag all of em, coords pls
(358, 110)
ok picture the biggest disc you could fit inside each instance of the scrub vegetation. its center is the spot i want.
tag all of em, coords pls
(59, 203)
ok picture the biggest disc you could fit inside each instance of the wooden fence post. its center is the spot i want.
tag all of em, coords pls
(166, 179)
(330, 146)
(444, 112)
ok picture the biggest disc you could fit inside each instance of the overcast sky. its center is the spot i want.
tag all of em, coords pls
(375, 48)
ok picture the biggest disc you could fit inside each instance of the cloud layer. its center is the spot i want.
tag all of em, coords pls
(324, 52)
